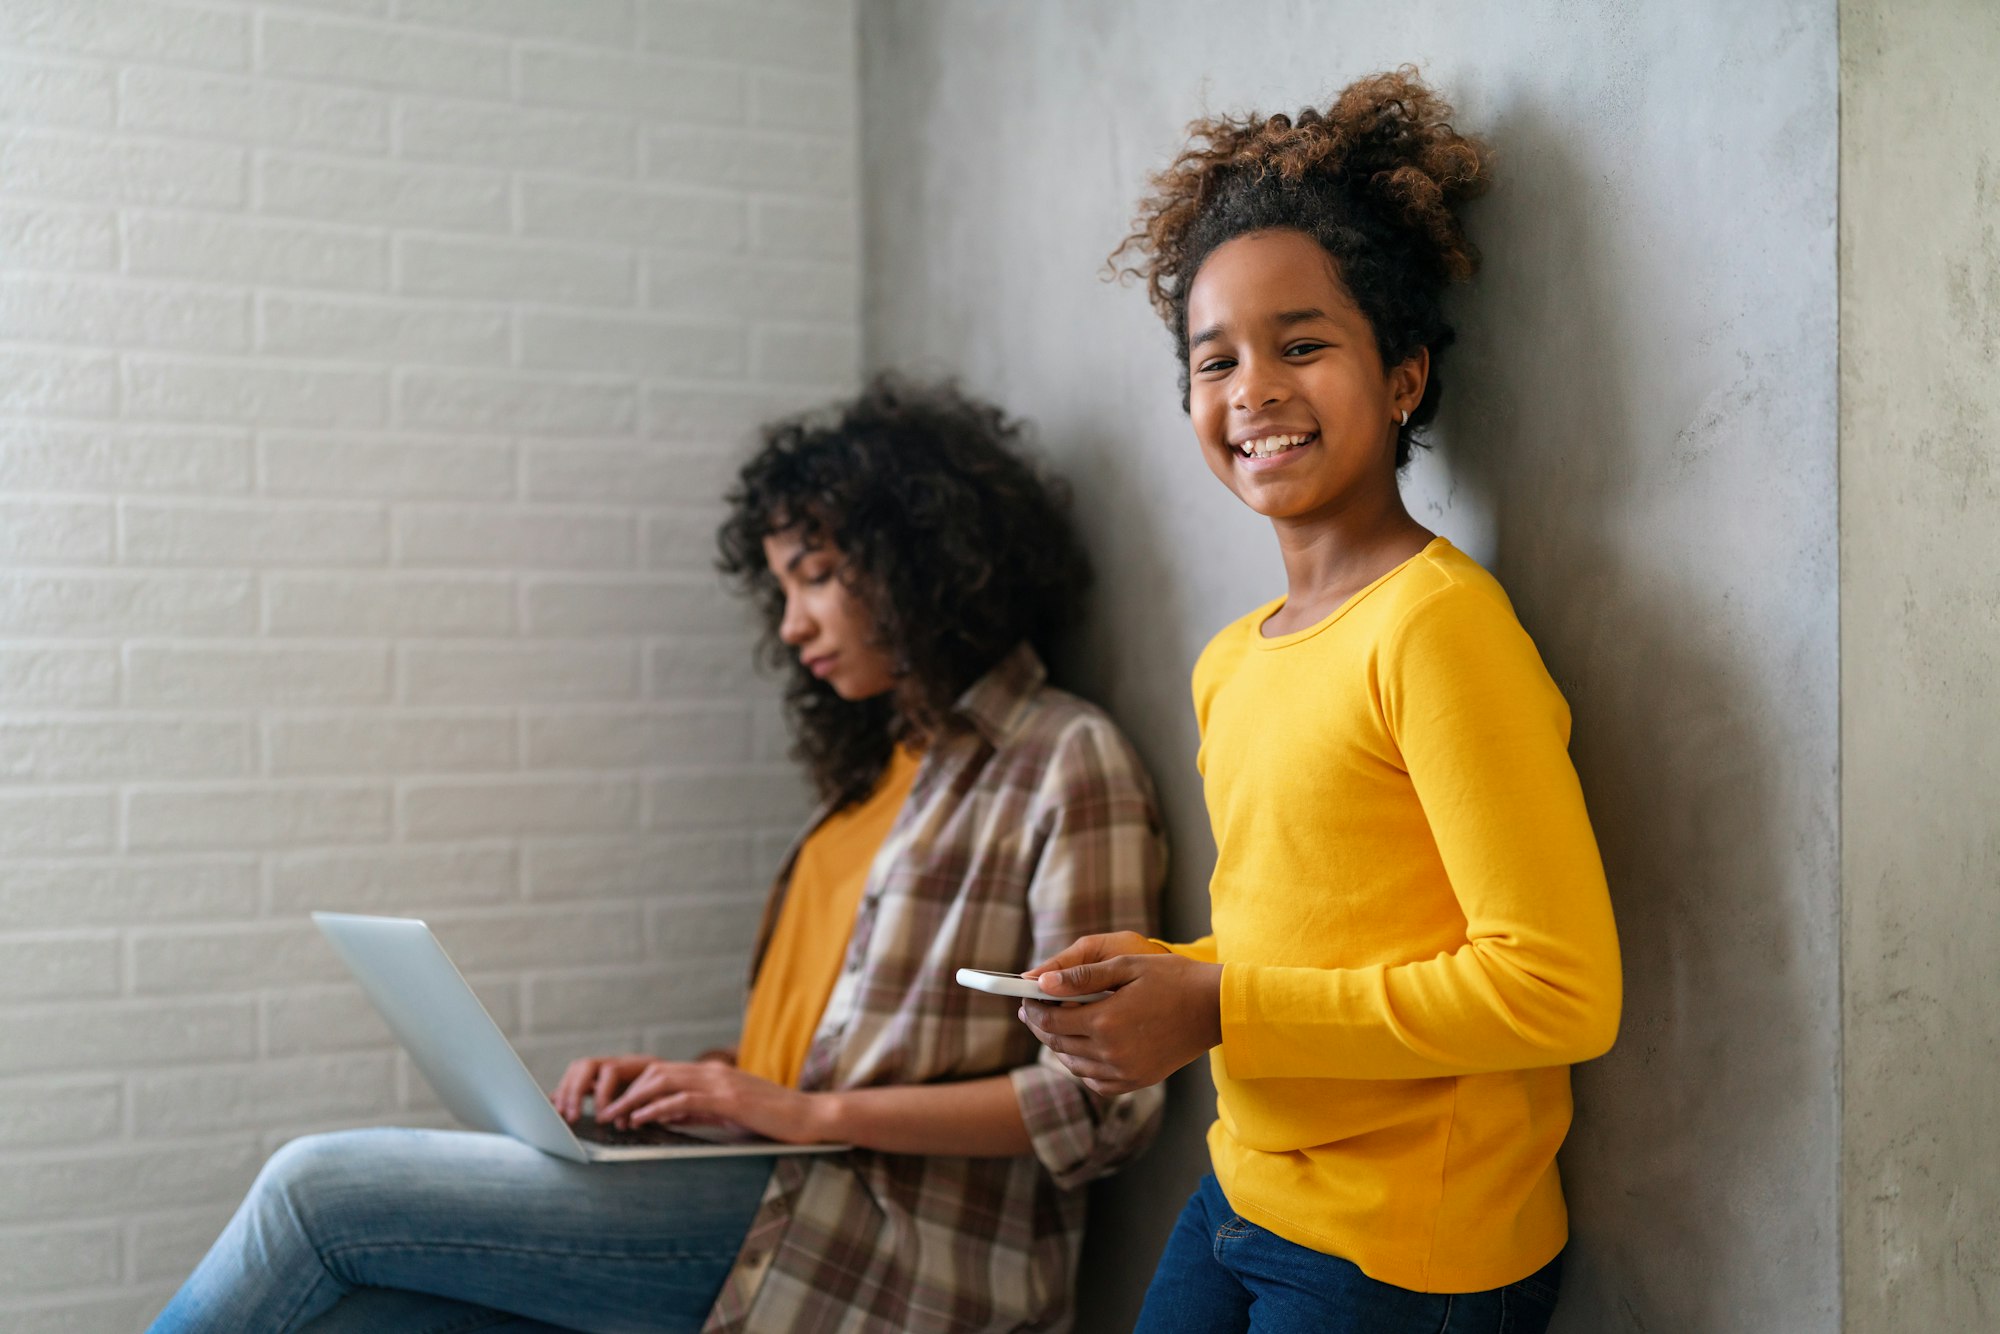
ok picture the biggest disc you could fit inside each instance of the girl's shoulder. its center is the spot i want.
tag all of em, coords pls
(1443, 581)
(1457, 625)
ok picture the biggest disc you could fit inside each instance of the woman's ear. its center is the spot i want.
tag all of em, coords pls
(1407, 381)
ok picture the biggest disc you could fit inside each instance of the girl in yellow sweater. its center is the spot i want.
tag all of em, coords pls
(1412, 939)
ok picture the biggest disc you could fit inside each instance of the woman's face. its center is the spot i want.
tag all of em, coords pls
(1286, 390)
(825, 623)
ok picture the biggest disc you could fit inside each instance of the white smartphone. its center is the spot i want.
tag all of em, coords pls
(1013, 984)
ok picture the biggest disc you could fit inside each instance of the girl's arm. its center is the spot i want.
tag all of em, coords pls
(1484, 735)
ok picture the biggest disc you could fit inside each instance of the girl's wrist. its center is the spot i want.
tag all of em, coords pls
(1211, 1004)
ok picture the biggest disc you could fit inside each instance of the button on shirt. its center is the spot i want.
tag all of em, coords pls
(1029, 824)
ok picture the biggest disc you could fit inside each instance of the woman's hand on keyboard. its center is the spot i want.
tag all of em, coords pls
(599, 1079)
(709, 1092)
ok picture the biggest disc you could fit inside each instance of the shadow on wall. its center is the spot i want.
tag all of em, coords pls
(1684, 1121)
(1133, 1212)
(1679, 1124)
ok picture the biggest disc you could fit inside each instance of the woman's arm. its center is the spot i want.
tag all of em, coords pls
(1100, 861)
(1102, 864)
(977, 1118)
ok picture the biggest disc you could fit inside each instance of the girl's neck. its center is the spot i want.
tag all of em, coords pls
(1330, 558)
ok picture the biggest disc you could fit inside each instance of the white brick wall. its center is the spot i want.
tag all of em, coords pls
(369, 376)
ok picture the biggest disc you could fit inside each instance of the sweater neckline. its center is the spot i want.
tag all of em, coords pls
(1257, 636)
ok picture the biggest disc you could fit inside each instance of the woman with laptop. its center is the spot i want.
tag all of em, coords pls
(909, 563)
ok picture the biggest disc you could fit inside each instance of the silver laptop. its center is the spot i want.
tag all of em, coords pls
(474, 1069)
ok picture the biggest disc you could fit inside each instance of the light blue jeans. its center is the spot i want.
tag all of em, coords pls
(429, 1231)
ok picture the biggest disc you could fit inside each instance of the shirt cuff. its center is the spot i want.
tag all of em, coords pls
(1247, 1051)
(1076, 1135)
(1201, 951)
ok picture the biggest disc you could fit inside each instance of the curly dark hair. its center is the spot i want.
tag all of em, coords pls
(957, 542)
(1376, 179)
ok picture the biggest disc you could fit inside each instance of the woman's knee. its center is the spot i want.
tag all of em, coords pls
(312, 1156)
(302, 1169)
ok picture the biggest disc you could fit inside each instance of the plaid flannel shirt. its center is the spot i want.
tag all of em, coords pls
(1031, 825)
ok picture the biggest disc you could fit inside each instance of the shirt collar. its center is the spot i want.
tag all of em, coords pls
(995, 703)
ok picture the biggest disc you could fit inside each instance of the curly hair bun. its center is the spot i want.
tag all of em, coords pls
(1387, 137)
(1394, 134)
(1377, 179)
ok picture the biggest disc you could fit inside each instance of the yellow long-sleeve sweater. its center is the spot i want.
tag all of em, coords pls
(1414, 928)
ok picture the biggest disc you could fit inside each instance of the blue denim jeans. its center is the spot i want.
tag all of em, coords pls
(442, 1232)
(1221, 1274)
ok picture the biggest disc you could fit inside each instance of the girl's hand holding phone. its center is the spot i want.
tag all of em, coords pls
(1165, 1011)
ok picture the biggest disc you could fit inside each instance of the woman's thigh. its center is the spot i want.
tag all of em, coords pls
(486, 1220)
(384, 1311)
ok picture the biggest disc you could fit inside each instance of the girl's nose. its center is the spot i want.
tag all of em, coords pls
(1256, 388)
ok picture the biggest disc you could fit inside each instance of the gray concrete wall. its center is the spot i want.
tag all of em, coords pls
(1920, 653)
(1640, 438)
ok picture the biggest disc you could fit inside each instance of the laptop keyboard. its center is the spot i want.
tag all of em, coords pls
(596, 1132)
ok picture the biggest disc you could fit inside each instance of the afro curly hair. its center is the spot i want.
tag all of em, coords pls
(957, 542)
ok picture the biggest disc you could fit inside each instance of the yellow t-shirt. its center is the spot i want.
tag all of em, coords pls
(803, 960)
(1414, 928)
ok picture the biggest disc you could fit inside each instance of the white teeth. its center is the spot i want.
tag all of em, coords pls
(1272, 444)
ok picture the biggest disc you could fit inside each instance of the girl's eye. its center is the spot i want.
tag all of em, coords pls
(1301, 349)
(1214, 364)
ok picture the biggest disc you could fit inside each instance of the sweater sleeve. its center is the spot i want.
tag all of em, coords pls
(1484, 736)
(1102, 863)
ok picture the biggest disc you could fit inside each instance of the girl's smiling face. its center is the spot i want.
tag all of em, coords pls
(1286, 391)
(826, 622)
